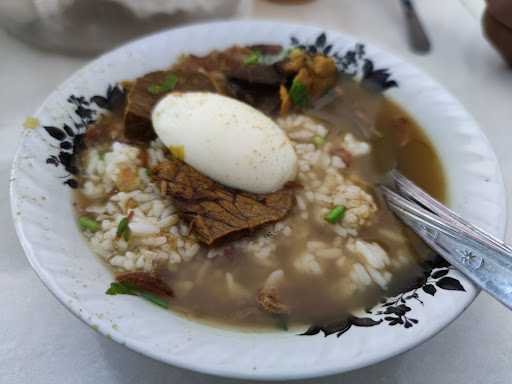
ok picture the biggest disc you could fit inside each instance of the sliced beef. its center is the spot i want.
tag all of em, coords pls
(259, 74)
(223, 72)
(231, 62)
(140, 102)
(145, 281)
(267, 49)
(217, 213)
(262, 97)
(255, 84)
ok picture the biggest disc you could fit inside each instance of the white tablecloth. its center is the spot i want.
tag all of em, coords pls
(41, 342)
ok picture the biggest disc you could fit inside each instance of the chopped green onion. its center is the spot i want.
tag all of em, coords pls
(168, 85)
(117, 288)
(148, 172)
(88, 224)
(335, 214)
(154, 89)
(170, 82)
(123, 229)
(153, 298)
(253, 58)
(299, 93)
(318, 141)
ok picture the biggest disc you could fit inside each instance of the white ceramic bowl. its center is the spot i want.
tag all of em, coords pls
(43, 215)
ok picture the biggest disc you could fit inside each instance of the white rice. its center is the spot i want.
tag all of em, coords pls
(307, 264)
(372, 253)
(235, 290)
(360, 276)
(154, 234)
(355, 147)
(159, 237)
(274, 280)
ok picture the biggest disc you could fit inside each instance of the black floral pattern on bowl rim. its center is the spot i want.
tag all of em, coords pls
(397, 310)
(354, 63)
(71, 136)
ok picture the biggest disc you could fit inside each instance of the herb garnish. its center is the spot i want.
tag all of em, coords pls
(318, 141)
(88, 224)
(253, 58)
(123, 229)
(336, 214)
(168, 85)
(118, 288)
(299, 93)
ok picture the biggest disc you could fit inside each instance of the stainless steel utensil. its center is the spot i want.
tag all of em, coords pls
(484, 259)
(418, 39)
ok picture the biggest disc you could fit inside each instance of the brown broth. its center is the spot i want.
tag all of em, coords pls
(397, 141)
(417, 159)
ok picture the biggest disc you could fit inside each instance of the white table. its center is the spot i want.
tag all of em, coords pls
(41, 342)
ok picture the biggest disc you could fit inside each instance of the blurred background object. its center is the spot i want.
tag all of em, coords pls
(497, 23)
(88, 27)
(418, 39)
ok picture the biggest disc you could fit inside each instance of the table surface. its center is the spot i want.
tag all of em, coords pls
(41, 342)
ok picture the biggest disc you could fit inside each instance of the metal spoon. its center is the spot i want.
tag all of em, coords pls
(484, 259)
(418, 39)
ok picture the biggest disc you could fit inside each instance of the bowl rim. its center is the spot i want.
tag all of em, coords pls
(48, 281)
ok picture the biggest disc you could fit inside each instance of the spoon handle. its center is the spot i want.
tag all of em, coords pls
(482, 258)
(418, 38)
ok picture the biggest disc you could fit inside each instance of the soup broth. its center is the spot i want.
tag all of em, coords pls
(302, 270)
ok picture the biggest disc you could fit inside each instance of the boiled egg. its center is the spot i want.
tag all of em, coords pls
(226, 140)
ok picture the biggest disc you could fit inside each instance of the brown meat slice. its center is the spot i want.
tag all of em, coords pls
(255, 74)
(262, 97)
(267, 49)
(214, 212)
(145, 281)
(231, 62)
(255, 84)
(140, 102)
(220, 71)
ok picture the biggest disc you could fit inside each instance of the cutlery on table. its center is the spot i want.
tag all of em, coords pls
(418, 39)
